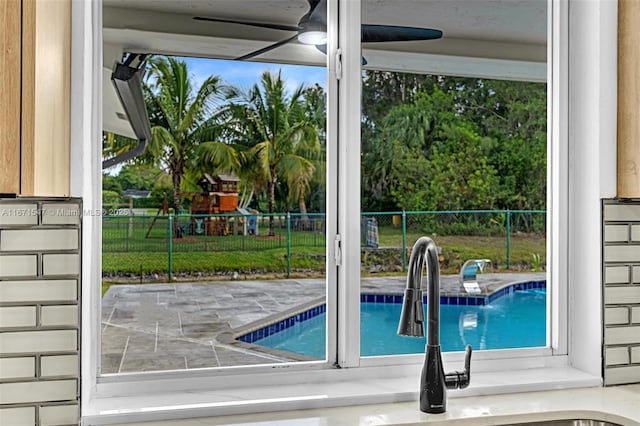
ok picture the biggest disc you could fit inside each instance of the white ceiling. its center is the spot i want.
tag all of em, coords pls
(481, 37)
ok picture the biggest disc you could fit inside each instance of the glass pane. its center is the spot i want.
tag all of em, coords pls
(214, 240)
(461, 160)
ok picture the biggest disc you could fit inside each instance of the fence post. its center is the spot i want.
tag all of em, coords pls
(288, 244)
(126, 245)
(170, 246)
(404, 240)
(508, 239)
(130, 233)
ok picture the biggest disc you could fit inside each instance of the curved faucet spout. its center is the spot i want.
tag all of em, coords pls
(412, 317)
(434, 382)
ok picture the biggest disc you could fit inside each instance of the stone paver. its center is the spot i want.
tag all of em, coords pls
(190, 325)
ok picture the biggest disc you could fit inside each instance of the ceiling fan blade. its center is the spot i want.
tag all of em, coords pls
(251, 24)
(317, 11)
(384, 33)
(266, 49)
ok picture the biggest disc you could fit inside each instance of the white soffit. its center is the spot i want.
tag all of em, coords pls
(499, 38)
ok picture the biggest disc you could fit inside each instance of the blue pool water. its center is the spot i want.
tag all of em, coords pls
(513, 321)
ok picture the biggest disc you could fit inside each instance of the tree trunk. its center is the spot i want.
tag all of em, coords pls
(177, 179)
(176, 192)
(302, 205)
(272, 202)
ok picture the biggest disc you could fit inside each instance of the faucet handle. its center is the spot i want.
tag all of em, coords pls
(467, 362)
(460, 379)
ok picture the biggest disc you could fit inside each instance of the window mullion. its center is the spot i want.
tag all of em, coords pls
(349, 94)
(332, 182)
(557, 175)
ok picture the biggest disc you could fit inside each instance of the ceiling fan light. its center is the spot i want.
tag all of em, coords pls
(313, 37)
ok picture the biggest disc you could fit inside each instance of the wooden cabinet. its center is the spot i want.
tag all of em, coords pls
(628, 99)
(10, 52)
(35, 82)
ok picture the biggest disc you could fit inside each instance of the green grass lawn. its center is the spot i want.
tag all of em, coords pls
(263, 261)
(456, 249)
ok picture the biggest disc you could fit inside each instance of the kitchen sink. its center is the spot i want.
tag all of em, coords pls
(567, 422)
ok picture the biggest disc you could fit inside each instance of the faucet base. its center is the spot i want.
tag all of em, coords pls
(433, 381)
(433, 392)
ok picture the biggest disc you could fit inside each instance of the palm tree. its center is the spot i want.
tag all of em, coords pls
(280, 137)
(186, 122)
(314, 112)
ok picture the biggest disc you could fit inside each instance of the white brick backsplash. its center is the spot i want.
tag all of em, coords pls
(18, 214)
(24, 392)
(59, 415)
(35, 291)
(59, 315)
(616, 316)
(19, 265)
(60, 264)
(621, 212)
(626, 253)
(39, 312)
(15, 368)
(59, 365)
(621, 292)
(38, 239)
(616, 274)
(617, 356)
(616, 233)
(22, 416)
(613, 295)
(622, 375)
(18, 316)
(621, 335)
(60, 214)
(38, 341)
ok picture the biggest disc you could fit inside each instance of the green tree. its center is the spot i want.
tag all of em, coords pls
(313, 187)
(138, 176)
(404, 117)
(514, 115)
(111, 183)
(455, 176)
(405, 134)
(187, 122)
(280, 137)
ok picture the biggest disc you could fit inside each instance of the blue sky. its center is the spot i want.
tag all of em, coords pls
(244, 74)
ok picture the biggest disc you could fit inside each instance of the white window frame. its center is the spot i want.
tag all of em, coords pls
(331, 277)
(583, 40)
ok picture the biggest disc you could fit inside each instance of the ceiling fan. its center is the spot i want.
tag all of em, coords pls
(312, 29)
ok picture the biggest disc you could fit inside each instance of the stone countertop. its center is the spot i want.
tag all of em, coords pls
(619, 405)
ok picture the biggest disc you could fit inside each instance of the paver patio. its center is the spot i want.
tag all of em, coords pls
(191, 325)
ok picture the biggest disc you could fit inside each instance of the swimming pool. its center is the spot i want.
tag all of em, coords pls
(515, 320)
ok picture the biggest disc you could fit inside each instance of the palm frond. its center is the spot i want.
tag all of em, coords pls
(217, 156)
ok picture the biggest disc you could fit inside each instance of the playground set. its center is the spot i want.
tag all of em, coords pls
(214, 210)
